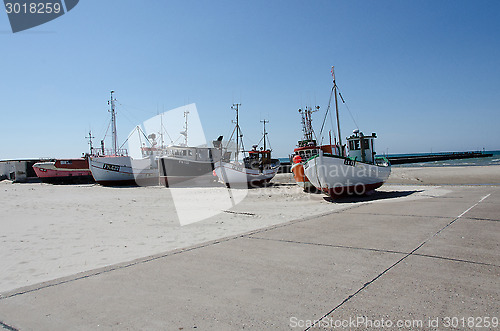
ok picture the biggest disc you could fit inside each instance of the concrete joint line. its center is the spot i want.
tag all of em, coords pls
(374, 250)
(458, 217)
(465, 212)
(457, 260)
(365, 285)
(7, 327)
(329, 245)
(393, 265)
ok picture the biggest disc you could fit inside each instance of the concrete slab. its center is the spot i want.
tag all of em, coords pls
(469, 240)
(466, 193)
(445, 206)
(486, 211)
(382, 232)
(425, 289)
(241, 283)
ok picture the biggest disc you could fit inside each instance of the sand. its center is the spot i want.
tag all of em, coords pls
(52, 231)
(476, 175)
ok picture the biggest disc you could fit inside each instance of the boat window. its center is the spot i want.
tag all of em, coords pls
(203, 154)
(366, 143)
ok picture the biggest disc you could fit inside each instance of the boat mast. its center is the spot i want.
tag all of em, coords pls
(90, 137)
(337, 113)
(185, 133)
(265, 133)
(161, 131)
(307, 122)
(113, 124)
(236, 106)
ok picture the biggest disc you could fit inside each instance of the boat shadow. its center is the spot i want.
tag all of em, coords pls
(372, 196)
(278, 184)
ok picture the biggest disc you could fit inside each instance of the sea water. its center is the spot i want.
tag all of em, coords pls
(480, 161)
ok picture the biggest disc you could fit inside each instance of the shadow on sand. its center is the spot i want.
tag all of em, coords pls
(279, 184)
(371, 196)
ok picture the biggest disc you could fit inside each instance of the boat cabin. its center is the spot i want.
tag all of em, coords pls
(256, 158)
(361, 147)
(194, 153)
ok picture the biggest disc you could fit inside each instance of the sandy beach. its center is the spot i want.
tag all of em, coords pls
(74, 234)
(476, 175)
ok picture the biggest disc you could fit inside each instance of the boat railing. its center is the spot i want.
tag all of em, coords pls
(382, 161)
(109, 152)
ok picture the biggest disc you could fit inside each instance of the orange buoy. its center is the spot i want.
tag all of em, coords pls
(297, 159)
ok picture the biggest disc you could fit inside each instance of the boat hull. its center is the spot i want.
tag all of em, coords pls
(300, 178)
(234, 174)
(338, 176)
(303, 153)
(145, 171)
(175, 171)
(112, 170)
(64, 171)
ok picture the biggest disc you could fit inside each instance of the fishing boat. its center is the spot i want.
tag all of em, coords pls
(64, 171)
(189, 165)
(253, 168)
(114, 166)
(357, 173)
(145, 169)
(307, 148)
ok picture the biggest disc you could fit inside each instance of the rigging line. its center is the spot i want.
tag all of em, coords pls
(132, 107)
(126, 115)
(103, 129)
(241, 140)
(350, 113)
(230, 138)
(106, 133)
(131, 133)
(163, 127)
(269, 143)
(327, 110)
(260, 141)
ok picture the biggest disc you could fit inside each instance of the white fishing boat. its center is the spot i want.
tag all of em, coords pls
(112, 170)
(112, 166)
(254, 169)
(356, 173)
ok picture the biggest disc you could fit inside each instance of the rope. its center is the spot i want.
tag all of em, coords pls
(352, 117)
(327, 110)
(131, 133)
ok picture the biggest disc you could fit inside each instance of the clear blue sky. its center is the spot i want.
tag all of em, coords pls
(424, 75)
